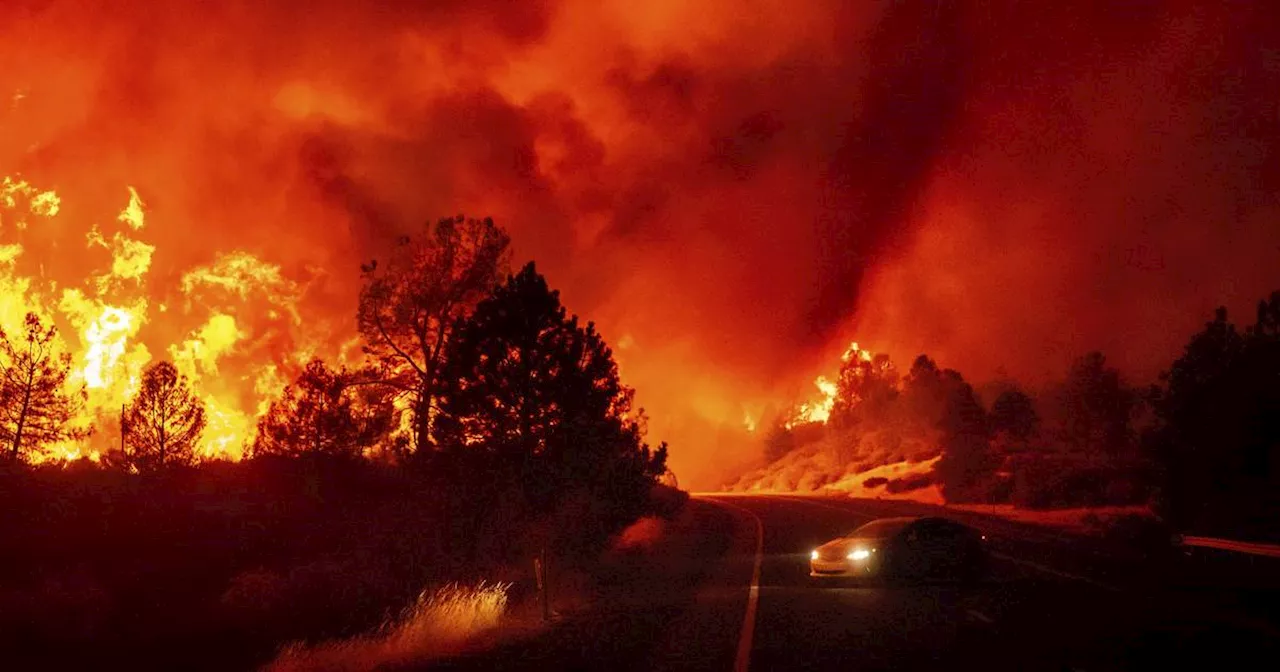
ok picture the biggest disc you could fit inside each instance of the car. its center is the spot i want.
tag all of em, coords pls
(905, 547)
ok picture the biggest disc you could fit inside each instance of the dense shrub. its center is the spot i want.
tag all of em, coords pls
(1045, 482)
(666, 501)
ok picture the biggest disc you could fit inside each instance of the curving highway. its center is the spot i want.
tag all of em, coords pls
(1051, 602)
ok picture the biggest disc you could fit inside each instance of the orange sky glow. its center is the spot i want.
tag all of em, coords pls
(732, 190)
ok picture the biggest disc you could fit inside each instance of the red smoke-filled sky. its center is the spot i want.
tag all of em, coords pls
(732, 190)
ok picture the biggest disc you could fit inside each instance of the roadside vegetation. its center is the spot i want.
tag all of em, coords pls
(1199, 449)
(439, 622)
(391, 510)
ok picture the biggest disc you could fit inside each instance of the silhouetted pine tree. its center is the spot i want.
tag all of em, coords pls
(411, 301)
(164, 421)
(35, 408)
(321, 414)
(540, 392)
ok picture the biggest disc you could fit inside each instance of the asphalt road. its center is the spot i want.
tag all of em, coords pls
(1051, 602)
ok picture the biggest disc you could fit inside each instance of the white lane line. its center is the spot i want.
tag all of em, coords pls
(1056, 572)
(980, 616)
(743, 658)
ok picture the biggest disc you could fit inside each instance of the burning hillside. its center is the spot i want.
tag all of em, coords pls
(865, 419)
(233, 326)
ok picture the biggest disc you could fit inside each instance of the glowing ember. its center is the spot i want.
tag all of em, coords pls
(132, 213)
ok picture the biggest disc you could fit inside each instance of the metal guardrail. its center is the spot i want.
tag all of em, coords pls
(1252, 548)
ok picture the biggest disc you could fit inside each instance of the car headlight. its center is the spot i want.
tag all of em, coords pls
(813, 555)
(859, 554)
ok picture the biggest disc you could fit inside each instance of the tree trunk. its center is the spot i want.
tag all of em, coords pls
(22, 420)
(543, 581)
(422, 421)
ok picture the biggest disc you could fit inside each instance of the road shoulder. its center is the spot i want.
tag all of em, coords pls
(648, 608)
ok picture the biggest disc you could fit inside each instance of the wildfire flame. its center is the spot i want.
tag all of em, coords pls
(238, 306)
(819, 410)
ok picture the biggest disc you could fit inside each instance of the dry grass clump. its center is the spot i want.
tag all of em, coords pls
(438, 623)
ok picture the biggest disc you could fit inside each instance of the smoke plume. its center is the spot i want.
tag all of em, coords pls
(733, 190)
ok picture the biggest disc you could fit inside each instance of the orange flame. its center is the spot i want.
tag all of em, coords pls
(108, 320)
(819, 410)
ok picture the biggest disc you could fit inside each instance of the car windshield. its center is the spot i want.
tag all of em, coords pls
(880, 529)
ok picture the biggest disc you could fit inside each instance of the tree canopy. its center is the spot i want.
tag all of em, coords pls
(967, 461)
(1013, 413)
(320, 413)
(164, 421)
(528, 383)
(1094, 408)
(412, 299)
(865, 388)
(35, 408)
(1218, 435)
